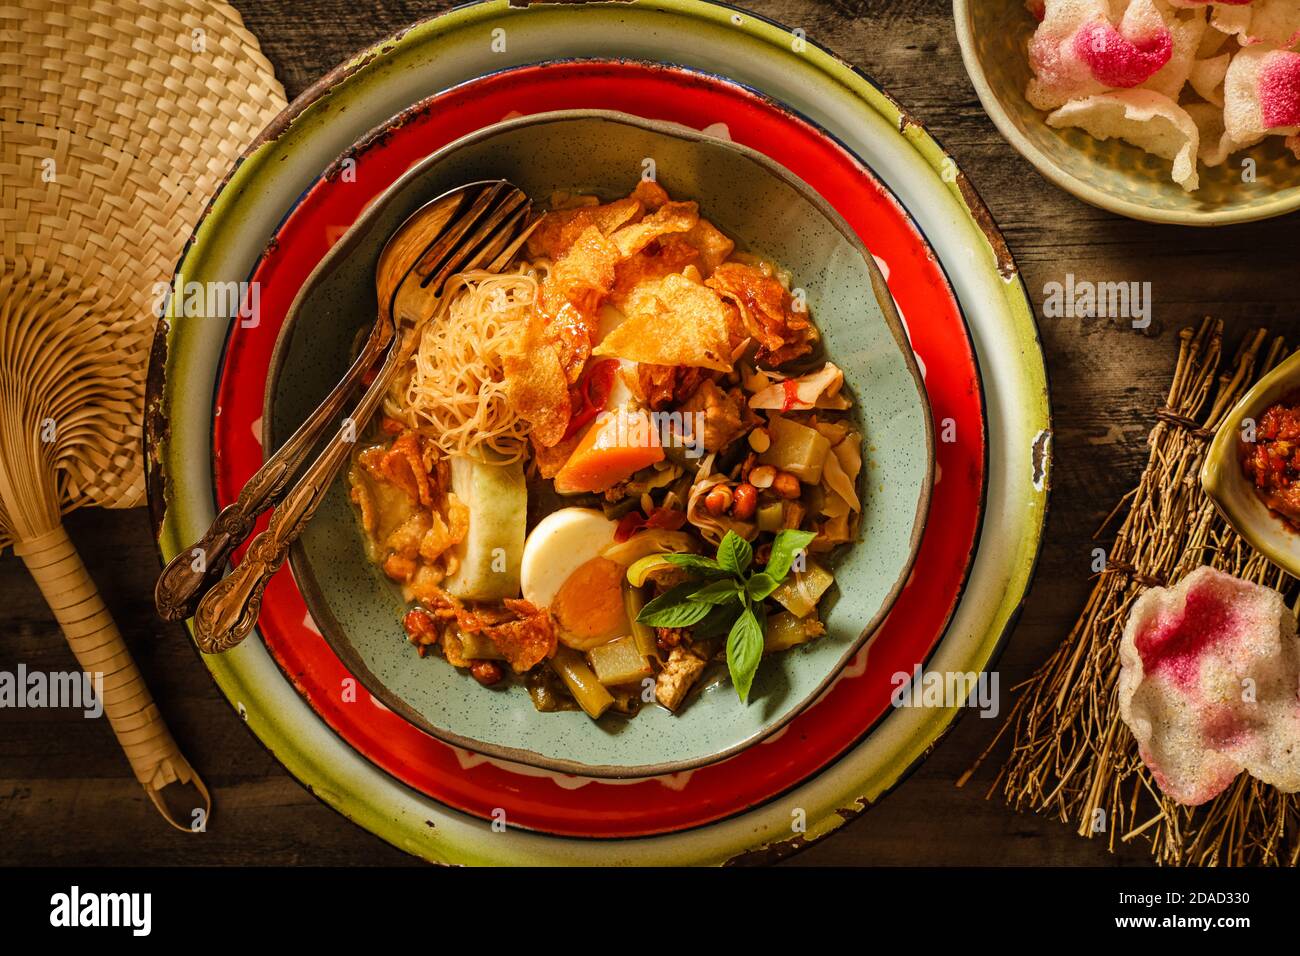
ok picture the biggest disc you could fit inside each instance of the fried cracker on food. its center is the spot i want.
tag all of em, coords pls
(524, 634)
(527, 640)
(402, 466)
(664, 256)
(673, 321)
(650, 194)
(712, 245)
(536, 384)
(563, 199)
(571, 333)
(560, 228)
(583, 275)
(669, 218)
(571, 296)
(767, 309)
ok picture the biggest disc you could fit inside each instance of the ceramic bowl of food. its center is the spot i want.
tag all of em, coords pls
(1257, 183)
(1247, 471)
(360, 607)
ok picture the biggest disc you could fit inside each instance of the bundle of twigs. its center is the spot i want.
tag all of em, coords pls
(1072, 756)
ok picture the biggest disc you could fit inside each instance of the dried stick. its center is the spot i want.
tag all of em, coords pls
(1072, 756)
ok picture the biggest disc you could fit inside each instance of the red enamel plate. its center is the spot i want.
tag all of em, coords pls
(577, 806)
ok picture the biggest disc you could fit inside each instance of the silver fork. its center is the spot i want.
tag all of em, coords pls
(427, 233)
(485, 227)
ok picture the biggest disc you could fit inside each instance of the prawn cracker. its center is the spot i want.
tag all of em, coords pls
(672, 321)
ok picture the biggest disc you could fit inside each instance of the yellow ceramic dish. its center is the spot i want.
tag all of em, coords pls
(1111, 174)
(1229, 488)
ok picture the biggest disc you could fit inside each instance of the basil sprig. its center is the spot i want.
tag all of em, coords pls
(731, 602)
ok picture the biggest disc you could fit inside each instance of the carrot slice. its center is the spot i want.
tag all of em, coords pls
(615, 447)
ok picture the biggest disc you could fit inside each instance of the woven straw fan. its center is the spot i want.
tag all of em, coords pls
(117, 122)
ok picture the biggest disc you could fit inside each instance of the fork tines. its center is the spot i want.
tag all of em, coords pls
(477, 236)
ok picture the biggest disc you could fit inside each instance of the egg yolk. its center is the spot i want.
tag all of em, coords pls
(588, 608)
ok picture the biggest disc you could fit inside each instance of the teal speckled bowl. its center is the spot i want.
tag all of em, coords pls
(769, 211)
(1111, 174)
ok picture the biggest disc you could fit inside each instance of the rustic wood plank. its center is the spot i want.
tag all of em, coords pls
(66, 795)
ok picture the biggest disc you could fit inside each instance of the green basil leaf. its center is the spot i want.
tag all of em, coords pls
(760, 586)
(670, 598)
(718, 622)
(680, 615)
(744, 651)
(788, 543)
(719, 592)
(696, 564)
(734, 553)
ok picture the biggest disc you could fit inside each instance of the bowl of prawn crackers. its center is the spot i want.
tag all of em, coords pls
(637, 497)
(1176, 111)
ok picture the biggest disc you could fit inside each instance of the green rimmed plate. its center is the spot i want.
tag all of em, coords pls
(446, 50)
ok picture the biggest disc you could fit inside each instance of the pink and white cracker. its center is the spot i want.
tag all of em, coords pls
(1207, 76)
(1262, 94)
(1212, 43)
(1271, 22)
(1216, 145)
(1187, 30)
(1210, 685)
(1079, 50)
(1146, 119)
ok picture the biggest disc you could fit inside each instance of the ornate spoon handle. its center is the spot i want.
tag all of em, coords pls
(195, 570)
(227, 613)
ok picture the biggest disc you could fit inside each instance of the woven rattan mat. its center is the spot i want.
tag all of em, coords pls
(118, 121)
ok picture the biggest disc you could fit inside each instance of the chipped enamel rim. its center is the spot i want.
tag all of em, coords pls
(785, 65)
(1060, 176)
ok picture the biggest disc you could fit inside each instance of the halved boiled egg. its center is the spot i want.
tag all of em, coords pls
(562, 569)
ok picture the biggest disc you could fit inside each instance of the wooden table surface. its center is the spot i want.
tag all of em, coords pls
(66, 795)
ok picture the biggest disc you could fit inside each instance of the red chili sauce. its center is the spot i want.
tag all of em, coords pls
(1272, 462)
